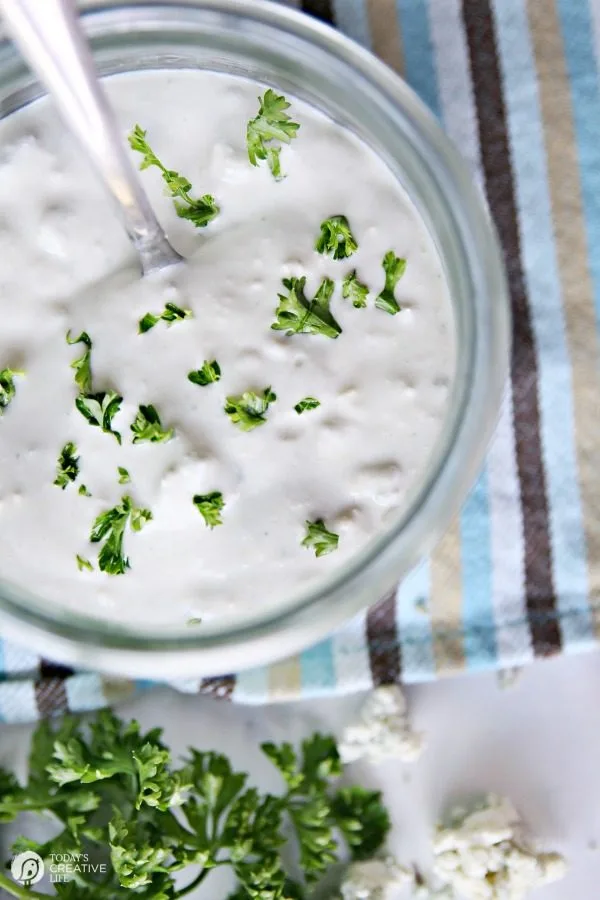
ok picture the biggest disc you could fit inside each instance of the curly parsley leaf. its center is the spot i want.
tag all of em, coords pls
(124, 476)
(248, 410)
(318, 537)
(362, 818)
(355, 290)
(268, 130)
(83, 563)
(200, 211)
(67, 466)
(148, 427)
(210, 507)
(394, 268)
(210, 372)
(171, 313)
(306, 403)
(298, 315)
(83, 364)
(110, 527)
(83, 491)
(7, 387)
(336, 238)
(100, 410)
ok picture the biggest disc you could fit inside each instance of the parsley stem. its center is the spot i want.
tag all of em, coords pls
(193, 884)
(19, 890)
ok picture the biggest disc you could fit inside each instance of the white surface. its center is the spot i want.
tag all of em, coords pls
(537, 743)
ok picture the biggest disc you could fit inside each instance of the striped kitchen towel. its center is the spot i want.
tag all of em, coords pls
(516, 85)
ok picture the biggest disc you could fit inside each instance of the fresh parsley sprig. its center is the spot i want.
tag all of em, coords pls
(171, 313)
(200, 211)
(67, 466)
(148, 427)
(7, 387)
(110, 527)
(210, 507)
(298, 315)
(336, 238)
(394, 268)
(124, 476)
(100, 409)
(306, 404)
(268, 130)
(210, 372)
(320, 538)
(119, 797)
(83, 364)
(248, 410)
(355, 290)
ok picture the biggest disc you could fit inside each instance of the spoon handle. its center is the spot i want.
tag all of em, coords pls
(51, 40)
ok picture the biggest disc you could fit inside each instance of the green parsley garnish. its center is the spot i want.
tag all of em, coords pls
(100, 409)
(336, 238)
(83, 364)
(272, 126)
(306, 403)
(247, 410)
(84, 564)
(156, 828)
(67, 467)
(7, 387)
(110, 527)
(124, 476)
(210, 371)
(355, 290)
(83, 491)
(199, 211)
(147, 427)
(171, 313)
(394, 268)
(318, 537)
(298, 315)
(194, 620)
(210, 507)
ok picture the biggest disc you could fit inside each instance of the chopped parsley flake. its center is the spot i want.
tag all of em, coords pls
(247, 410)
(110, 528)
(84, 564)
(268, 130)
(67, 467)
(319, 538)
(83, 364)
(336, 238)
(83, 491)
(210, 507)
(100, 409)
(147, 427)
(171, 313)
(124, 476)
(200, 211)
(355, 290)
(298, 315)
(210, 371)
(394, 268)
(194, 621)
(7, 387)
(306, 403)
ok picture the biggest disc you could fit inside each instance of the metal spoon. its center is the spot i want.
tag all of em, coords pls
(49, 35)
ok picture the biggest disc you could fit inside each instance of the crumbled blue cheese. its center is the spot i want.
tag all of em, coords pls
(484, 855)
(375, 879)
(382, 730)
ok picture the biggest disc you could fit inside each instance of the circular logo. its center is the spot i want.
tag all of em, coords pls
(27, 868)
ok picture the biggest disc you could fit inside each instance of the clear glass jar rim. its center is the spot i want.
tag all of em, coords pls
(123, 650)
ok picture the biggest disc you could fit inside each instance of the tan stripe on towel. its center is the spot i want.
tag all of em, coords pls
(575, 279)
(285, 679)
(386, 40)
(446, 601)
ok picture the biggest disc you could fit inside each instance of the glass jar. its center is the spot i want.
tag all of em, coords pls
(300, 56)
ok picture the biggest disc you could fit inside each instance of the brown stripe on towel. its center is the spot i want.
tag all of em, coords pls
(221, 688)
(51, 697)
(382, 637)
(54, 670)
(497, 168)
(320, 9)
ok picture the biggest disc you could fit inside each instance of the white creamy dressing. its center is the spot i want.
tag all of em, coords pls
(65, 263)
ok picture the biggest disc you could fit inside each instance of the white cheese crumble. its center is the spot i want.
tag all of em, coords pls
(375, 879)
(382, 730)
(484, 855)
